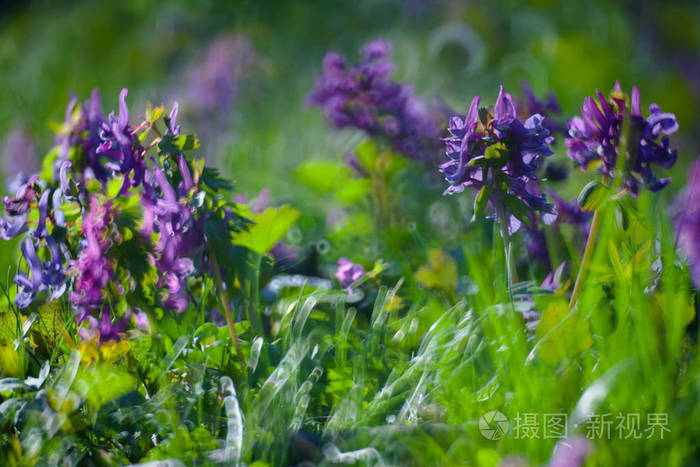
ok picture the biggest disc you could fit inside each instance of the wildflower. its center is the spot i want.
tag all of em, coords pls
(94, 269)
(103, 328)
(141, 320)
(26, 193)
(499, 152)
(13, 226)
(42, 275)
(174, 222)
(212, 82)
(364, 97)
(348, 273)
(120, 147)
(595, 137)
(82, 129)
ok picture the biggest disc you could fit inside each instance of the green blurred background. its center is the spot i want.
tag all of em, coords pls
(454, 49)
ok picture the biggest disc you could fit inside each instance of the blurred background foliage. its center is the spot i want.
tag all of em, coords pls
(451, 49)
(454, 49)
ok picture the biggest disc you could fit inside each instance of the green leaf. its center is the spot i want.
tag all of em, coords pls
(566, 335)
(322, 175)
(497, 152)
(174, 144)
(517, 208)
(367, 153)
(48, 322)
(47, 170)
(114, 186)
(102, 383)
(153, 114)
(481, 200)
(9, 329)
(353, 190)
(593, 196)
(269, 227)
(93, 185)
(213, 179)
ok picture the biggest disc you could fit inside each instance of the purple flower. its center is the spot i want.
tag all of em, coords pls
(43, 209)
(42, 275)
(120, 146)
(28, 286)
(82, 128)
(686, 220)
(25, 194)
(141, 320)
(94, 269)
(212, 83)
(364, 97)
(595, 137)
(348, 273)
(104, 327)
(510, 167)
(13, 226)
(178, 235)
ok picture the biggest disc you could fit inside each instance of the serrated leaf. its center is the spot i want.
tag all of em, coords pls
(174, 144)
(211, 178)
(153, 114)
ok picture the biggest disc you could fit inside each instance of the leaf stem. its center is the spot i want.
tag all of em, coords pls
(587, 257)
(511, 274)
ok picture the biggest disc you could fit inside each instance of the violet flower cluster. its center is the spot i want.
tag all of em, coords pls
(118, 218)
(495, 152)
(363, 96)
(212, 82)
(595, 137)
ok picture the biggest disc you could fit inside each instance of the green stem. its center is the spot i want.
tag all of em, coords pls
(511, 274)
(587, 257)
(227, 308)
